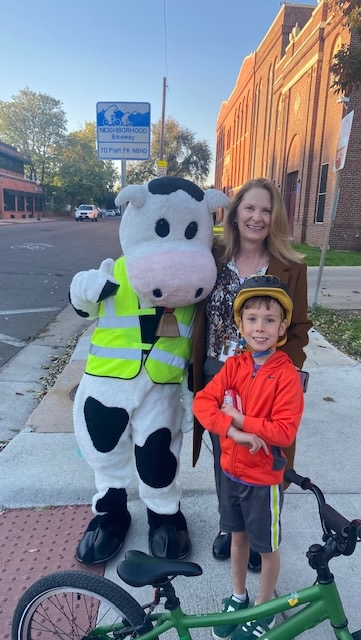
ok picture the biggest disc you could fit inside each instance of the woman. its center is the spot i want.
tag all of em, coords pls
(255, 241)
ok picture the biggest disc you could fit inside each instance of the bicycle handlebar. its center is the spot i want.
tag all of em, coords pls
(333, 519)
(292, 476)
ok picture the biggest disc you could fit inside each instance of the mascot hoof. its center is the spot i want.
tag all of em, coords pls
(168, 536)
(102, 539)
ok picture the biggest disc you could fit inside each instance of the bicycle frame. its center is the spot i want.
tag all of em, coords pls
(320, 602)
(310, 606)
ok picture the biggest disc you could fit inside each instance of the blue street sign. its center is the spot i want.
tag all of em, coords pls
(123, 130)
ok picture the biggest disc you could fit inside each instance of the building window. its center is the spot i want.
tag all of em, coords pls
(322, 194)
(29, 204)
(228, 138)
(279, 114)
(9, 200)
(21, 203)
(269, 104)
(336, 49)
(246, 115)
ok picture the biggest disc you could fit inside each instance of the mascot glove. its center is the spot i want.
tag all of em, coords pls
(187, 402)
(87, 286)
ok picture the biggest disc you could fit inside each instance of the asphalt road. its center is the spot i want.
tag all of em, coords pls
(38, 262)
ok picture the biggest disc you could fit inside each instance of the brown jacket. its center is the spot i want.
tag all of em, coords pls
(295, 277)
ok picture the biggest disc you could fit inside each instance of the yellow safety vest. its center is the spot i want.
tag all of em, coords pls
(116, 349)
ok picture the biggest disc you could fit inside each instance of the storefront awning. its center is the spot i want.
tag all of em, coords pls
(13, 192)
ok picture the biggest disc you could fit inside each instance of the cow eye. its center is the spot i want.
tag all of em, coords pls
(162, 228)
(191, 230)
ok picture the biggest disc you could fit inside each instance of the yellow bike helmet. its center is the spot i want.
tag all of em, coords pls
(267, 285)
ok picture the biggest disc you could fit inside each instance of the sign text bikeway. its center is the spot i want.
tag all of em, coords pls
(123, 130)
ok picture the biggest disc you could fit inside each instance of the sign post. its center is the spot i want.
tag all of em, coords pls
(340, 158)
(123, 130)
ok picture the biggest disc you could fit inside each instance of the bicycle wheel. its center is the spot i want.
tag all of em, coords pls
(69, 605)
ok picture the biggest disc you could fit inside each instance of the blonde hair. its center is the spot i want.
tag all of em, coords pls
(277, 242)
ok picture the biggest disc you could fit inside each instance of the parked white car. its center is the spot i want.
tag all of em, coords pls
(86, 212)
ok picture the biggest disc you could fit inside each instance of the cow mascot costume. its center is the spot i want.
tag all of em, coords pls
(131, 406)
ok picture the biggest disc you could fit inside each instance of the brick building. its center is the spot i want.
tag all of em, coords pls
(282, 121)
(20, 197)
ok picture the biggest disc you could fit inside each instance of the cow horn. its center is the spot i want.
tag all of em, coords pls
(215, 199)
(134, 193)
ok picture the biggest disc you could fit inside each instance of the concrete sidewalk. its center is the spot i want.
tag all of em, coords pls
(43, 466)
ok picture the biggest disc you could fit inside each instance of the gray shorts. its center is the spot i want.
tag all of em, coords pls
(256, 510)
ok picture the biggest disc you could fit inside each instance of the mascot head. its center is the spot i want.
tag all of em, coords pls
(166, 235)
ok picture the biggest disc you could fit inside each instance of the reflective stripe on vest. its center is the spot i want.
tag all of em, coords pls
(116, 349)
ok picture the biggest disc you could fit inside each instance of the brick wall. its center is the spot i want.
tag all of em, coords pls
(12, 179)
(282, 122)
(14, 183)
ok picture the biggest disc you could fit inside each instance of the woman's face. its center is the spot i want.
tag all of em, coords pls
(254, 215)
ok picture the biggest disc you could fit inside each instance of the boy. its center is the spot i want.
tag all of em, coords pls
(265, 387)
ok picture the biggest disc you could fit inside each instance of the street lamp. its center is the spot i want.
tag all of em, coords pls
(38, 184)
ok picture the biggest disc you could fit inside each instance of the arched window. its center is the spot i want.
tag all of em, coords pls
(337, 46)
(246, 115)
(228, 138)
(279, 114)
(235, 127)
(258, 99)
(267, 126)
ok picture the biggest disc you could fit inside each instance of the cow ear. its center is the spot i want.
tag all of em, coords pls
(215, 199)
(134, 193)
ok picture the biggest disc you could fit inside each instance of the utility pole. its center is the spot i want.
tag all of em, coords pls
(161, 150)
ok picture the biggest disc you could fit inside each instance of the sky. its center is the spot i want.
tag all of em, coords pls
(82, 52)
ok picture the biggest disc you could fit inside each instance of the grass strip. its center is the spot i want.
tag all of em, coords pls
(341, 328)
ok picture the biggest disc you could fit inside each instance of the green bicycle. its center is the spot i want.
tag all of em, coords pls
(75, 605)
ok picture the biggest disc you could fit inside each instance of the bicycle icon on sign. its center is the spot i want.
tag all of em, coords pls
(110, 117)
(113, 121)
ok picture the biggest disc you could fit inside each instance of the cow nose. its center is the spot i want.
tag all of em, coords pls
(157, 293)
(199, 292)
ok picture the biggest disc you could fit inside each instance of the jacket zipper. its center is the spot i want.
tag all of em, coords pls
(250, 381)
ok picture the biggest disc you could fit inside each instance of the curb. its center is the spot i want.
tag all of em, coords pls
(58, 402)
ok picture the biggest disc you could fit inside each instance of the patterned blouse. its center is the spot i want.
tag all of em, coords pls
(219, 309)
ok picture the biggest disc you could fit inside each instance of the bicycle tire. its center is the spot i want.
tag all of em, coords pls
(69, 604)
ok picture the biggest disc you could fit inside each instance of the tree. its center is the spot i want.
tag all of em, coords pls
(186, 156)
(346, 65)
(35, 124)
(79, 174)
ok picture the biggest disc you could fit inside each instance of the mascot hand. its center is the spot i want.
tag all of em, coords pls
(88, 288)
(107, 269)
(187, 402)
(111, 285)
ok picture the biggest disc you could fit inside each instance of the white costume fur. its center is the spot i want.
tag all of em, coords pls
(167, 266)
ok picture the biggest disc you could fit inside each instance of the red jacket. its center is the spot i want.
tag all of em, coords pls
(272, 403)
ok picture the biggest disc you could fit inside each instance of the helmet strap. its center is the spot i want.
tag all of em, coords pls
(258, 354)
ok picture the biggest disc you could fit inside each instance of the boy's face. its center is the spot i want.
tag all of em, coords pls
(262, 327)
